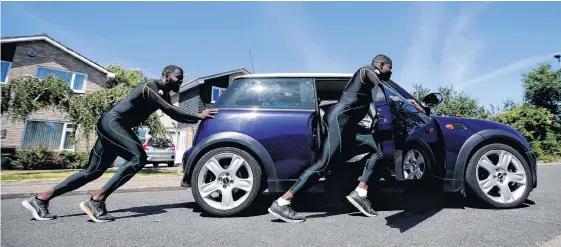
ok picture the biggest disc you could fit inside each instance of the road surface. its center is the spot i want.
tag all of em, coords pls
(172, 219)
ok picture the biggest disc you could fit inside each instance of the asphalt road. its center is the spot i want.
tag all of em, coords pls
(172, 219)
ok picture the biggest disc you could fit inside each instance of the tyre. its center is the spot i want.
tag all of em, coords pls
(416, 169)
(171, 164)
(499, 176)
(225, 181)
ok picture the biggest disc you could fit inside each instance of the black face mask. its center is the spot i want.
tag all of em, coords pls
(175, 86)
(172, 85)
(385, 75)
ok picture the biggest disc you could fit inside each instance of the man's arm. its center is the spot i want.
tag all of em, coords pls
(150, 91)
(369, 75)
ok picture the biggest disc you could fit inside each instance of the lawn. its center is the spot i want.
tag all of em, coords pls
(21, 175)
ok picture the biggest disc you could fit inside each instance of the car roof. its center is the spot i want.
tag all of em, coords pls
(293, 75)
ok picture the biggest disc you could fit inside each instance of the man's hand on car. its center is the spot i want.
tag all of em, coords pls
(412, 101)
(208, 113)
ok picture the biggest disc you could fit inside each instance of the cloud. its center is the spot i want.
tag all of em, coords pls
(291, 21)
(462, 48)
(512, 67)
(419, 60)
(104, 57)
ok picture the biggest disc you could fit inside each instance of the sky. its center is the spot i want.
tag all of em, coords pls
(481, 48)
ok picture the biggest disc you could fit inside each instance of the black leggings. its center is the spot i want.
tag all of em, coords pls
(336, 146)
(113, 140)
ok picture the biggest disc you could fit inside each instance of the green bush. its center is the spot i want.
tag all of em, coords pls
(536, 124)
(41, 158)
(74, 160)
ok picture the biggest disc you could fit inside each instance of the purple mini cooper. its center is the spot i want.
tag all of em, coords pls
(268, 131)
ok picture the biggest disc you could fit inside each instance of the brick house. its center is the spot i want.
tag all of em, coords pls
(40, 56)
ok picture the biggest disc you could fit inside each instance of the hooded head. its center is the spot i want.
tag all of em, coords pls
(383, 65)
(172, 77)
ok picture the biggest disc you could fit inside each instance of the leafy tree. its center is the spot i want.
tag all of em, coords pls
(456, 103)
(25, 95)
(536, 125)
(542, 88)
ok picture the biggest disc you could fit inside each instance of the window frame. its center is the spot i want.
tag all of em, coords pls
(220, 92)
(406, 105)
(79, 91)
(300, 80)
(7, 72)
(65, 129)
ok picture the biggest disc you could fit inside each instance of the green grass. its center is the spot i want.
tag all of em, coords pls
(25, 175)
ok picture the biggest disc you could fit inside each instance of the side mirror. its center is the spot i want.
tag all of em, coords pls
(433, 99)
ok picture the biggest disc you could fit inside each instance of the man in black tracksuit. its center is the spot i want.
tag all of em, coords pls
(342, 120)
(116, 138)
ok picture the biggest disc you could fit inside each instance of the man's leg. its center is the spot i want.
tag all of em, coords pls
(100, 159)
(359, 197)
(329, 153)
(130, 149)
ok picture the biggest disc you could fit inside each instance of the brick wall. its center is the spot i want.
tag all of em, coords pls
(48, 56)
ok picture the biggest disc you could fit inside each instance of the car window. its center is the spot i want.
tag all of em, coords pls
(396, 97)
(160, 142)
(269, 93)
(405, 115)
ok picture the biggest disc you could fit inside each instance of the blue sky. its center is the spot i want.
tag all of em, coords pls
(479, 47)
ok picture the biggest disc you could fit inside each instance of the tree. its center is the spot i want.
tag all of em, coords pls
(542, 88)
(456, 103)
(25, 95)
(536, 125)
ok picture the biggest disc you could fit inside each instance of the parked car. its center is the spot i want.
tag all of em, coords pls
(159, 151)
(267, 133)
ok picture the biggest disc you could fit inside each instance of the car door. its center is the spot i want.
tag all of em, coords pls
(410, 128)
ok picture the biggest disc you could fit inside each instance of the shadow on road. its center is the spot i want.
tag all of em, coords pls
(416, 205)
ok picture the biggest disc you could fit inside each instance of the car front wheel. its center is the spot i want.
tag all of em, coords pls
(499, 176)
(226, 181)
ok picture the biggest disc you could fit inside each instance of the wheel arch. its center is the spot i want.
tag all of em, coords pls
(236, 140)
(479, 140)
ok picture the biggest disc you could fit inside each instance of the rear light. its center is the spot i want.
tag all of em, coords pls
(145, 146)
(172, 145)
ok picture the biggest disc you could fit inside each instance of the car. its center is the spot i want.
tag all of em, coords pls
(269, 126)
(161, 150)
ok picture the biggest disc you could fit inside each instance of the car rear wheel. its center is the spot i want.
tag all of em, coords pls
(226, 181)
(499, 176)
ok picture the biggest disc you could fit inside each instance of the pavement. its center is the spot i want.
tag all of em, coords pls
(166, 218)
(21, 189)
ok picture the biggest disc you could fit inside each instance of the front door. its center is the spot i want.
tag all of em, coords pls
(411, 129)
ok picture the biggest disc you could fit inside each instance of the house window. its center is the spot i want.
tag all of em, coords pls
(216, 92)
(52, 135)
(6, 66)
(76, 81)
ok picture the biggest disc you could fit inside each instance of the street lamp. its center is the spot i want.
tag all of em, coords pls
(558, 58)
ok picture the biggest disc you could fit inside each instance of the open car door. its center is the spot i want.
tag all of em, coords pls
(414, 138)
